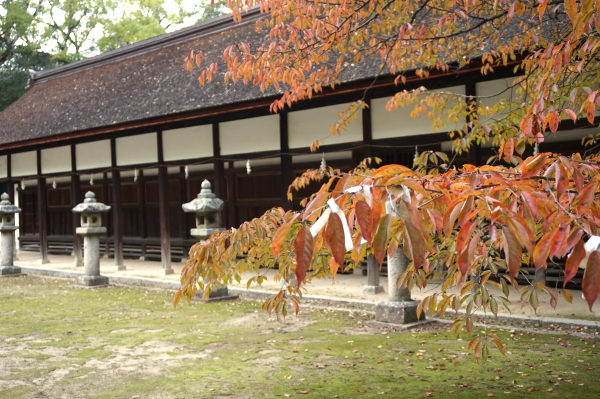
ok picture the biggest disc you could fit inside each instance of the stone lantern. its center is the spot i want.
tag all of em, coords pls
(91, 228)
(7, 239)
(207, 207)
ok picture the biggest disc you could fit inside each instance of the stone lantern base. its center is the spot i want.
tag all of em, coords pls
(398, 312)
(217, 295)
(10, 271)
(92, 281)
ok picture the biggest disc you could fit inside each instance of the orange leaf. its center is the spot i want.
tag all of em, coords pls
(591, 279)
(524, 234)
(304, 245)
(573, 261)
(509, 148)
(571, 114)
(562, 182)
(571, 8)
(391, 170)
(281, 236)
(365, 222)
(376, 211)
(381, 238)
(590, 111)
(512, 251)
(334, 236)
(586, 195)
(542, 250)
(533, 165)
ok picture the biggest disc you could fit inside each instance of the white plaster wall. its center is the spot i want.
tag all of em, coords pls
(187, 143)
(95, 154)
(316, 158)
(3, 166)
(24, 163)
(490, 92)
(132, 150)
(305, 127)
(398, 123)
(56, 160)
(249, 135)
(258, 162)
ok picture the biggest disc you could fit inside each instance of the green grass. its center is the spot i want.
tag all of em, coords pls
(60, 341)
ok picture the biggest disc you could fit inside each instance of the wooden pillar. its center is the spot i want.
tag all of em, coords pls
(116, 209)
(142, 209)
(76, 199)
(367, 131)
(42, 211)
(287, 172)
(163, 210)
(219, 173)
(231, 199)
(474, 154)
(9, 181)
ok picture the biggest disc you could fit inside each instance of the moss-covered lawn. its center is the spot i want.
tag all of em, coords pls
(58, 341)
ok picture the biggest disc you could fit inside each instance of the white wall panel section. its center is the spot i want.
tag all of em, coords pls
(305, 127)
(258, 162)
(56, 160)
(398, 123)
(316, 158)
(3, 166)
(133, 150)
(24, 163)
(187, 143)
(201, 167)
(95, 154)
(492, 92)
(249, 135)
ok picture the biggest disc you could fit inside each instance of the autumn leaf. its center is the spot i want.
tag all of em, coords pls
(512, 252)
(542, 250)
(573, 262)
(319, 201)
(365, 221)
(590, 285)
(380, 240)
(281, 236)
(334, 236)
(391, 170)
(303, 244)
(532, 166)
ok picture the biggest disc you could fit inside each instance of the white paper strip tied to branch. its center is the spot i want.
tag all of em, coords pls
(590, 246)
(320, 223)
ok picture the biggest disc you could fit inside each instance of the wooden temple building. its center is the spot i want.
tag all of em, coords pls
(137, 129)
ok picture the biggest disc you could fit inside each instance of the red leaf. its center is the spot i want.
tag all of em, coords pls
(417, 243)
(559, 241)
(391, 170)
(542, 250)
(591, 279)
(531, 204)
(381, 238)
(531, 166)
(571, 114)
(573, 261)
(304, 245)
(522, 231)
(334, 237)
(281, 236)
(365, 222)
(464, 234)
(376, 211)
(512, 251)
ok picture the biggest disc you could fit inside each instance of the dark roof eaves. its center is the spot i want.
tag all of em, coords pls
(203, 29)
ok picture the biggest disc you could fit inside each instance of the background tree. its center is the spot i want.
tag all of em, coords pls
(467, 224)
(17, 18)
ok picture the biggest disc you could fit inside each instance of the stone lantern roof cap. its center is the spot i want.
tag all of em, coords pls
(91, 205)
(6, 206)
(206, 202)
